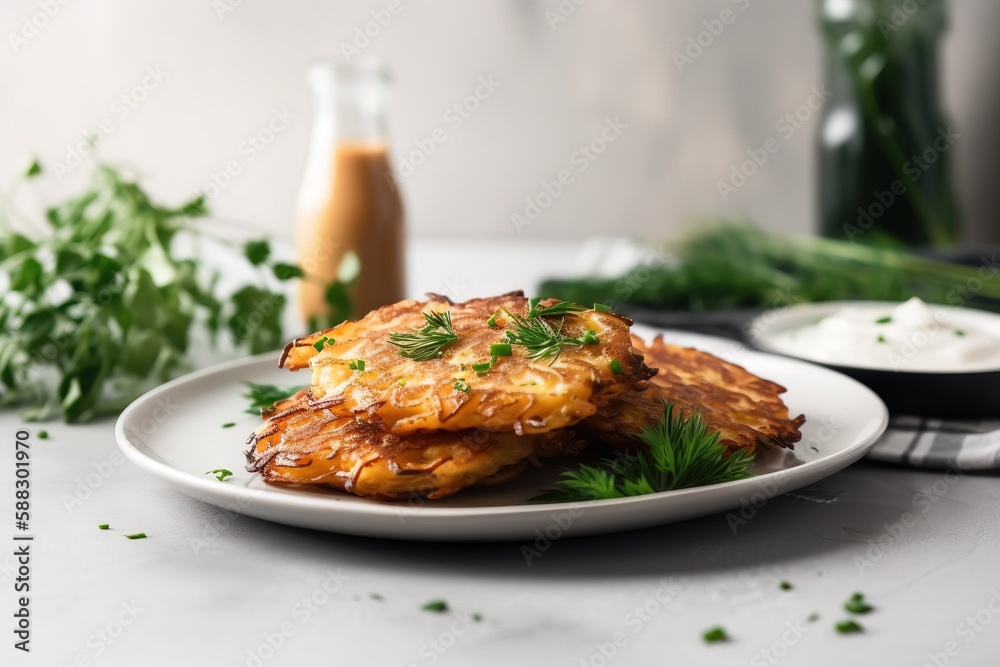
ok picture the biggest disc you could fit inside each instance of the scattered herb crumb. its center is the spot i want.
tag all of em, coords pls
(462, 386)
(883, 320)
(43, 435)
(959, 332)
(357, 365)
(377, 597)
(477, 617)
(857, 604)
(814, 448)
(322, 342)
(616, 367)
(104, 526)
(229, 425)
(848, 627)
(136, 536)
(812, 618)
(220, 474)
(437, 606)
(785, 586)
(714, 635)
(881, 339)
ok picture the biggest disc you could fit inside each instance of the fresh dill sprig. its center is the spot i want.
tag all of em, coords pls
(426, 343)
(264, 396)
(555, 310)
(540, 339)
(682, 454)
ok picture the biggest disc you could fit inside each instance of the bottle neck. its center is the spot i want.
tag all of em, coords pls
(349, 103)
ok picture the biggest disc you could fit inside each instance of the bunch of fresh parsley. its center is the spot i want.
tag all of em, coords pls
(101, 304)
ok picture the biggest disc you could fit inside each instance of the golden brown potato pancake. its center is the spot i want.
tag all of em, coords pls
(518, 394)
(746, 410)
(302, 441)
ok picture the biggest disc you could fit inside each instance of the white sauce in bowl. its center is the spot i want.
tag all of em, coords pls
(908, 337)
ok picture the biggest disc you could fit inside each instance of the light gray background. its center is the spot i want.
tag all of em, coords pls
(227, 70)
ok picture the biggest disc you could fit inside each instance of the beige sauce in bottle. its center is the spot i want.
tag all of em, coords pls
(352, 207)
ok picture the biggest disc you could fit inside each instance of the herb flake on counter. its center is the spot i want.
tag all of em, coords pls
(681, 454)
(229, 425)
(43, 435)
(436, 606)
(959, 332)
(715, 635)
(220, 474)
(104, 526)
(377, 597)
(429, 342)
(785, 586)
(136, 536)
(884, 320)
(848, 627)
(881, 339)
(857, 604)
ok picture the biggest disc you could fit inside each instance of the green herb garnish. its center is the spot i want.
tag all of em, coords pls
(462, 385)
(104, 526)
(477, 617)
(437, 606)
(785, 586)
(264, 396)
(229, 425)
(682, 454)
(959, 332)
(555, 310)
(43, 435)
(715, 635)
(136, 536)
(322, 342)
(884, 320)
(492, 322)
(541, 340)
(429, 342)
(881, 339)
(616, 367)
(357, 365)
(848, 627)
(601, 308)
(377, 597)
(501, 350)
(857, 604)
(220, 474)
(485, 366)
(813, 617)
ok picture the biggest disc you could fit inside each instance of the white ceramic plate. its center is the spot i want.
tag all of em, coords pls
(176, 433)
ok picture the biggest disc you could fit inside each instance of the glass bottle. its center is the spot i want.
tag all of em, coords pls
(884, 143)
(348, 201)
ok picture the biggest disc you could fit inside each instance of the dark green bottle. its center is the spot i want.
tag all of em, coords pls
(885, 147)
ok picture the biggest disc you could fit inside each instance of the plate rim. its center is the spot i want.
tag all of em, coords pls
(182, 479)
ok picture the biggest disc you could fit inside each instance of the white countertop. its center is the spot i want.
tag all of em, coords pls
(211, 588)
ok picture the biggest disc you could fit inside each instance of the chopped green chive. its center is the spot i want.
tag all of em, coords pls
(357, 365)
(484, 367)
(402, 383)
(857, 604)
(601, 308)
(136, 536)
(376, 597)
(714, 635)
(437, 606)
(492, 322)
(104, 526)
(785, 586)
(462, 385)
(322, 342)
(220, 474)
(616, 367)
(884, 320)
(43, 435)
(477, 617)
(881, 339)
(229, 425)
(848, 627)
(501, 350)
(959, 332)
(590, 338)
